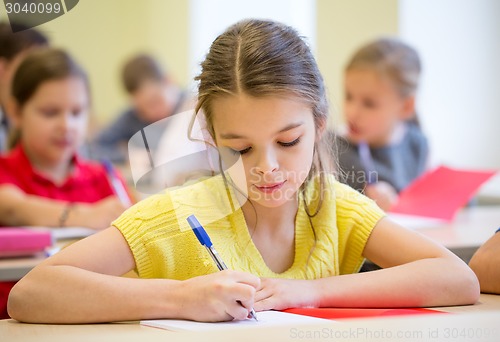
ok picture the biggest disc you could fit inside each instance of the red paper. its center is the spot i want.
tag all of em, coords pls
(440, 193)
(346, 313)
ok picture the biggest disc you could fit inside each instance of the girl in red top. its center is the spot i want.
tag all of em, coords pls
(42, 180)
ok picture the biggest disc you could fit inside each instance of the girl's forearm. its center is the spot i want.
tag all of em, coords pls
(422, 283)
(18, 209)
(66, 294)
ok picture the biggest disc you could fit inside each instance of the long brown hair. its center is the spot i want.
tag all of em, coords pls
(265, 58)
(40, 66)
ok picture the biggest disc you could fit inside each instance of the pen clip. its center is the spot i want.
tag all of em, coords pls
(217, 259)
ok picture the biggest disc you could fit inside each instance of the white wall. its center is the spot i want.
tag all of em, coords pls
(459, 101)
(102, 35)
(208, 19)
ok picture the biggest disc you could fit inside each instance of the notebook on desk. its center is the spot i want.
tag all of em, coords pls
(72, 233)
(26, 241)
(288, 317)
(440, 193)
(17, 241)
(265, 319)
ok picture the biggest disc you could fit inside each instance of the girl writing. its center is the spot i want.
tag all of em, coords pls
(297, 240)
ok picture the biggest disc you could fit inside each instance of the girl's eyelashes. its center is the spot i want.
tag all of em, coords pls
(290, 144)
(245, 150)
(49, 112)
(367, 103)
(284, 144)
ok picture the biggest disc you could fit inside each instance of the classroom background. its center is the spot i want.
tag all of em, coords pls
(458, 40)
(458, 102)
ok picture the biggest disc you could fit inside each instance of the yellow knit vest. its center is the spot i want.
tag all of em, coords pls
(164, 246)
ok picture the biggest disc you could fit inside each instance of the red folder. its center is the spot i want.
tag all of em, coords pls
(349, 313)
(23, 241)
(440, 193)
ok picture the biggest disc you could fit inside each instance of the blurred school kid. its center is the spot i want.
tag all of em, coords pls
(154, 96)
(43, 181)
(383, 148)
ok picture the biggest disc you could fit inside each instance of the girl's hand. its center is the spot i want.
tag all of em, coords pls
(98, 215)
(383, 194)
(280, 294)
(220, 296)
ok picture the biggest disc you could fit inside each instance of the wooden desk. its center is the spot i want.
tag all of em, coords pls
(12, 269)
(489, 193)
(470, 229)
(467, 323)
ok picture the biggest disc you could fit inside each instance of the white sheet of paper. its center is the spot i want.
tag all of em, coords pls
(66, 232)
(72, 233)
(416, 222)
(265, 319)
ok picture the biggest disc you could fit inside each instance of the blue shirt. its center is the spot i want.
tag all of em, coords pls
(397, 164)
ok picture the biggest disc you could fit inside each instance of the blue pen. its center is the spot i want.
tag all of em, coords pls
(205, 241)
(116, 184)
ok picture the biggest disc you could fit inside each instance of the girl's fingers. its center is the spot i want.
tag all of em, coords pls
(262, 294)
(237, 311)
(263, 283)
(248, 305)
(264, 304)
(265, 289)
(245, 297)
(239, 293)
(247, 278)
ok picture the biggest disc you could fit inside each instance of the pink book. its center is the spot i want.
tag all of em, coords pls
(440, 193)
(23, 241)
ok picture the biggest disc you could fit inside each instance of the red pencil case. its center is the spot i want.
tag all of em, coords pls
(23, 241)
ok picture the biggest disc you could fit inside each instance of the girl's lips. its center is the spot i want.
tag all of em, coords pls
(268, 188)
(62, 143)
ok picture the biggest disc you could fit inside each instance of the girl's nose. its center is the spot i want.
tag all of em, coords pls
(67, 121)
(267, 162)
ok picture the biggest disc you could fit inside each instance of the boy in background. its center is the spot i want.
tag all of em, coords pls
(154, 96)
